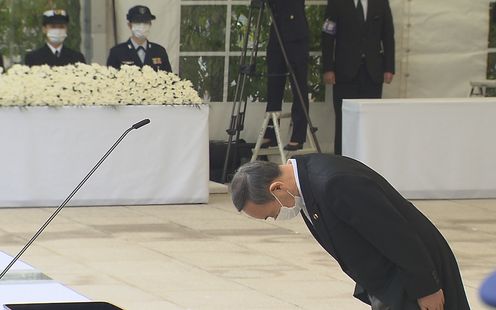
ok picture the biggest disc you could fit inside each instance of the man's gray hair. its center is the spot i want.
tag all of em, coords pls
(251, 183)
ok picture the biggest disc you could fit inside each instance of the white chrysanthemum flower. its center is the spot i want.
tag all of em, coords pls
(82, 84)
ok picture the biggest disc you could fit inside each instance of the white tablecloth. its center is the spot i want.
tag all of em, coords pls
(427, 148)
(46, 152)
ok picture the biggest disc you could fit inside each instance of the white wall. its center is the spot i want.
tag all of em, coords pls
(101, 35)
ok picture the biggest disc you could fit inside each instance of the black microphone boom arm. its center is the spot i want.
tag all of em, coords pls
(135, 126)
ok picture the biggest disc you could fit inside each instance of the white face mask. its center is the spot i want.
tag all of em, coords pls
(287, 213)
(56, 35)
(141, 31)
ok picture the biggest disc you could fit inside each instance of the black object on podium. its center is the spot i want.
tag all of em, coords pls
(97, 305)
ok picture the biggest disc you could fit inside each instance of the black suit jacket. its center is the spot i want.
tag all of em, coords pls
(290, 18)
(125, 54)
(373, 232)
(342, 52)
(44, 56)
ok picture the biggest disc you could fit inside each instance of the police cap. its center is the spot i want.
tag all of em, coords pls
(55, 17)
(139, 13)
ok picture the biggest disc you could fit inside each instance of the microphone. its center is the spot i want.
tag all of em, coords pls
(135, 126)
(141, 123)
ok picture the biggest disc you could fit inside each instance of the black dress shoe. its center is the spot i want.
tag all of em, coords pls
(268, 144)
(293, 147)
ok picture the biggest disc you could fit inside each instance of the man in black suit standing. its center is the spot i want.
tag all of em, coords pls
(292, 25)
(138, 50)
(357, 51)
(396, 256)
(54, 53)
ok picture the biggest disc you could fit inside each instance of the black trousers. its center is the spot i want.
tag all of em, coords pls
(277, 72)
(362, 86)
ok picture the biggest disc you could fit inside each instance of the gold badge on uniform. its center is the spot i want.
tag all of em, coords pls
(157, 61)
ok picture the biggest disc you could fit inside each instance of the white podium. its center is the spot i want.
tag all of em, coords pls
(24, 284)
(426, 148)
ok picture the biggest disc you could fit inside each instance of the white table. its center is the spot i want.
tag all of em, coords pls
(46, 152)
(24, 284)
(427, 148)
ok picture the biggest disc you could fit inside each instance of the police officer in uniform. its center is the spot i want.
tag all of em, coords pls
(293, 27)
(138, 50)
(54, 53)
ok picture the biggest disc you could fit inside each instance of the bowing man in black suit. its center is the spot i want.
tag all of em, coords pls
(54, 53)
(292, 25)
(396, 256)
(357, 51)
(138, 50)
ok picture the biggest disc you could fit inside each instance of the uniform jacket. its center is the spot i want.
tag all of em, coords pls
(346, 40)
(44, 56)
(373, 232)
(290, 18)
(125, 54)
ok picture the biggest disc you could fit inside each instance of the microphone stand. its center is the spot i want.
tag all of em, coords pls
(135, 126)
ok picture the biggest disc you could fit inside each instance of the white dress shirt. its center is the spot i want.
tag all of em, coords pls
(55, 50)
(297, 179)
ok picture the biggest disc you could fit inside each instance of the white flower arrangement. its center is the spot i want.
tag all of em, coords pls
(82, 84)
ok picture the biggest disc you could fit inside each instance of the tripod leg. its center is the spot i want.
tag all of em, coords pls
(238, 112)
(275, 120)
(260, 137)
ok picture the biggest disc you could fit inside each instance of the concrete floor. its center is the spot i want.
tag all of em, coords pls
(211, 257)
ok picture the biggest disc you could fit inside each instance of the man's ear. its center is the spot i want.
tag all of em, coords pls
(275, 186)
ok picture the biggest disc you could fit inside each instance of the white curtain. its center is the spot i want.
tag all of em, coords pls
(440, 45)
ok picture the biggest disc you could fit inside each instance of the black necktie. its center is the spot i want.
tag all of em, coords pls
(141, 55)
(359, 8)
(57, 54)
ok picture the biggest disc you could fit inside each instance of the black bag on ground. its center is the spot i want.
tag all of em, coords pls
(217, 152)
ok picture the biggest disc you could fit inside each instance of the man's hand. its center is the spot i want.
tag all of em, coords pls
(329, 78)
(388, 77)
(432, 302)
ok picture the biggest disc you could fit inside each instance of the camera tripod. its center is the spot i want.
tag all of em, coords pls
(247, 68)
